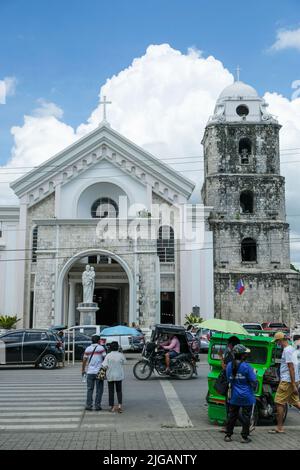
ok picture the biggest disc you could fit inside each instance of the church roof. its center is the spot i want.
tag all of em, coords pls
(238, 90)
(101, 143)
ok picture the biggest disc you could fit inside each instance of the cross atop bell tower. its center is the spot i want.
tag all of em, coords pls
(238, 71)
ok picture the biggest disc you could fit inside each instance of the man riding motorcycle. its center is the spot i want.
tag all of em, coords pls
(172, 346)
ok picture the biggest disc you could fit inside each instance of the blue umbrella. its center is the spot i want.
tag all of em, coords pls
(119, 331)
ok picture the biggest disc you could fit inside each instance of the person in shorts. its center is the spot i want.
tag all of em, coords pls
(172, 348)
(287, 392)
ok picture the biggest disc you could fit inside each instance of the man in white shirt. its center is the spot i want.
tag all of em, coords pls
(287, 392)
(91, 364)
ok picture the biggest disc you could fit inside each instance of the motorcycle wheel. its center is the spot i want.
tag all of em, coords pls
(186, 371)
(142, 370)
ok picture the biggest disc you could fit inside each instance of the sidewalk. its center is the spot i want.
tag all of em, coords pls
(194, 439)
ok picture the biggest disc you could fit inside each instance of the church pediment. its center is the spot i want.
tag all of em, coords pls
(103, 144)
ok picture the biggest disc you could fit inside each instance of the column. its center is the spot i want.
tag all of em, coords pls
(71, 313)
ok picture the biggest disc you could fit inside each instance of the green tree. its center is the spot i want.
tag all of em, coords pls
(190, 319)
(8, 322)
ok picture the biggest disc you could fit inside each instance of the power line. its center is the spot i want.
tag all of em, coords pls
(119, 245)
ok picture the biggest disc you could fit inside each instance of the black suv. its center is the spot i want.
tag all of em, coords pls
(38, 347)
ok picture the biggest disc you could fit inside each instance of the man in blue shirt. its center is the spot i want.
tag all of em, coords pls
(242, 381)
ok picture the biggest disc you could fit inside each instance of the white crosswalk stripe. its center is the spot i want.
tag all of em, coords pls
(55, 400)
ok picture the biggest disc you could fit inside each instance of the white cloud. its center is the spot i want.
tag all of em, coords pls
(288, 113)
(162, 101)
(42, 135)
(7, 88)
(287, 39)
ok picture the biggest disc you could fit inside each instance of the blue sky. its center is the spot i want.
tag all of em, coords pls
(63, 51)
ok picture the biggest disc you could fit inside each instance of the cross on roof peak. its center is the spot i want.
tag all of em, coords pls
(105, 103)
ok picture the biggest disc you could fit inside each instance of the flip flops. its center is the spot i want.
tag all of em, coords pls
(275, 431)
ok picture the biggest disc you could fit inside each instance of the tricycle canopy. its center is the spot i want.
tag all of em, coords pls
(164, 329)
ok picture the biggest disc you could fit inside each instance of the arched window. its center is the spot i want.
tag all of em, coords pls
(246, 202)
(248, 250)
(245, 148)
(165, 244)
(34, 244)
(104, 207)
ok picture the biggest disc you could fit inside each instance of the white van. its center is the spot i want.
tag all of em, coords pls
(125, 342)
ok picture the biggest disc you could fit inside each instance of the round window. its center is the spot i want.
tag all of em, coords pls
(242, 110)
(104, 207)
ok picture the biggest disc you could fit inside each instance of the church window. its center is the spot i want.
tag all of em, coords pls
(245, 150)
(34, 244)
(104, 207)
(249, 250)
(246, 202)
(165, 244)
(242, 110)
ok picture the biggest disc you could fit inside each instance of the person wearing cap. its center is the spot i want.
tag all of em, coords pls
(287, 392)
(91, 364)
(242, 381)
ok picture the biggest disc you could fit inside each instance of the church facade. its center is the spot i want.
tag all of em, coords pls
(109, 204)
(105, 202)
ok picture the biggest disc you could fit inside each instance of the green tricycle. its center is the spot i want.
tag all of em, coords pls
(264, 358)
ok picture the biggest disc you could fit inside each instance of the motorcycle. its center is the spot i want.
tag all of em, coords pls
(182, 366)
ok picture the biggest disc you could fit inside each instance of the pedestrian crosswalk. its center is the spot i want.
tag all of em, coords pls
(48, 400)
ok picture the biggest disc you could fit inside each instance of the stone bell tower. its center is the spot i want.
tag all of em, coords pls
(243, 185)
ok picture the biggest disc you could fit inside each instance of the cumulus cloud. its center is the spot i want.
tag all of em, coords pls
(287, 39)
(162, 101)
(42, 135)
(7, 88)
(288, 113)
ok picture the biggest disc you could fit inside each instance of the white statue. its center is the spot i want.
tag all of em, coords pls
(88, 283)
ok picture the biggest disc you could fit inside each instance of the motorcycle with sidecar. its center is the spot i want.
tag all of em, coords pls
(182, 366)
(264, 358)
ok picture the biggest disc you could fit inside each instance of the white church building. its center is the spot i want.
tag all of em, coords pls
(106, 202)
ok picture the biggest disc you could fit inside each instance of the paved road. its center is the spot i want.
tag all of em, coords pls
(53, 401)
(35, 399)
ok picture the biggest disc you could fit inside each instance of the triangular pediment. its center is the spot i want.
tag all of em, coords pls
(101, 144)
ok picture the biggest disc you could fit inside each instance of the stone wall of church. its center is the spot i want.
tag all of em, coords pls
(76, 239)
(43, 209)
(265, 299)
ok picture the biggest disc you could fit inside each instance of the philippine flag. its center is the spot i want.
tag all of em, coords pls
(240, 287)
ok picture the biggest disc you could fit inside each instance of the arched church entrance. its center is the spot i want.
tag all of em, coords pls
(114, 289)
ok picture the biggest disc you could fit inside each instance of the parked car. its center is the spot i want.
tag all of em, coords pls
(252, 326)
(138, 342)
(88, 330)
(276, 327)
(81, 342)
(32, 346)
(203, 335)
(126, 342)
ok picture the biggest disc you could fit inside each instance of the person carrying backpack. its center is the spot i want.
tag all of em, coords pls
(242, 380)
